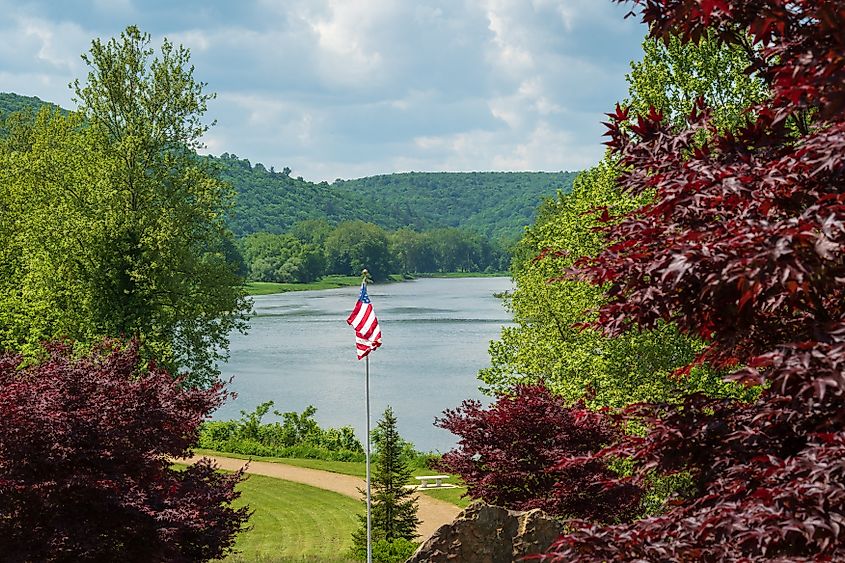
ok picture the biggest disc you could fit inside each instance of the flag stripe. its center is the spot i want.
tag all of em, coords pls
(354, 318)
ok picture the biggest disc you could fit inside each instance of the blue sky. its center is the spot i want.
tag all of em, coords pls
(350, 88)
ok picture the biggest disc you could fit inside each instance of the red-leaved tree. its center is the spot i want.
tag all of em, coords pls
(85, 454)
(508, 455)
(742, 246)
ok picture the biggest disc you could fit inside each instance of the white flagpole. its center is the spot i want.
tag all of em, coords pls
(369, 502)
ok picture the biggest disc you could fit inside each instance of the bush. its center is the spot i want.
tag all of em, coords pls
(387, 551)
(298, 436)
(85, 453)
(508, 455)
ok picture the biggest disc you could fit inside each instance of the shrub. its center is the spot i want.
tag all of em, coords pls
(85, 452)
(387, 551)
(298, 436)
(508, 455)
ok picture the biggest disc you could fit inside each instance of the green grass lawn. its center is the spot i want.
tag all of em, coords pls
(356, 468)
(294, 522)
(450, 495)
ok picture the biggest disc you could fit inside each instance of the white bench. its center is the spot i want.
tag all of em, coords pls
(438, 480)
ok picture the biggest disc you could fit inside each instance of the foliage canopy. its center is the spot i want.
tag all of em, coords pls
(549, 341)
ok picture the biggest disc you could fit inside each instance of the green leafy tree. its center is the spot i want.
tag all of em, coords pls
(117, 225)
(355, 245)
(672, 75)
(547, 342)
(394, 507)
(281, 258)
(456, 250)
(411, 251)
(312, 231)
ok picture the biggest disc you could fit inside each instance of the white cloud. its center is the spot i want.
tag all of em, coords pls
(344, 88)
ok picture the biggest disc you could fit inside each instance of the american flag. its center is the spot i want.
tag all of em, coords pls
(363, 320)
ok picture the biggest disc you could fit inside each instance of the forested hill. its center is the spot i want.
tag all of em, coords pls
(13, 102)
(492, 203)
(272, 201)
(496, 204)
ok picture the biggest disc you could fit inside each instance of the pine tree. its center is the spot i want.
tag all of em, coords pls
(394, 507)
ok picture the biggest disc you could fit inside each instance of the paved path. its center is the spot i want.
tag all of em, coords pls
(432, 513)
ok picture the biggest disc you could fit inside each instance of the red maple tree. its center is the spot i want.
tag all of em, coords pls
(85, 462)
(508, 455)
(742, 245)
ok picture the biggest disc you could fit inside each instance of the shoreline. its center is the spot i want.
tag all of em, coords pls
(335, 281)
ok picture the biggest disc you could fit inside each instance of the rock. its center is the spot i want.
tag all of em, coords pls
(483, 533)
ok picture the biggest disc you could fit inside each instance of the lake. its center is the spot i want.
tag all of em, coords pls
(300, 351)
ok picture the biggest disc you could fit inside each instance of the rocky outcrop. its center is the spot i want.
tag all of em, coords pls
(489, 534)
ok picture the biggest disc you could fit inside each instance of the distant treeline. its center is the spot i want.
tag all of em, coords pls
(314, 248)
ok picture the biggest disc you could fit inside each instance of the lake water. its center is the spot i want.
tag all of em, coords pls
(300, 352)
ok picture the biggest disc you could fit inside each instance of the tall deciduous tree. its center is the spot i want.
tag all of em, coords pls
(743, 247)
(118, 225)
(673, 74)
(394, 507)
(355, 245)
(86, 449)
(547, 342)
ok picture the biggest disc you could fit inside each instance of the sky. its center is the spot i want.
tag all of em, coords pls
(351, 88)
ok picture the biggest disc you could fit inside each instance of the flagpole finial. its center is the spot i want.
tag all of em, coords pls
(365, 274)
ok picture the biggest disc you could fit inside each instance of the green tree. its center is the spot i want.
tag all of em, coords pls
(281, 258)
(118, 225)
(412, 252)
(355, 245)
(313, 231)
(673, 74)
(394, 507)
(456, 250)
(546, 342)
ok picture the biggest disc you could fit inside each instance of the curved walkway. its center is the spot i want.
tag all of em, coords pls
(432, 513)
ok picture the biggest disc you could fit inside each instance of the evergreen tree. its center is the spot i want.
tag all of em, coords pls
(394, 507)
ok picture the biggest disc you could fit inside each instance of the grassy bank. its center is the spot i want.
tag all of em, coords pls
(332, 282)
(327, 282)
